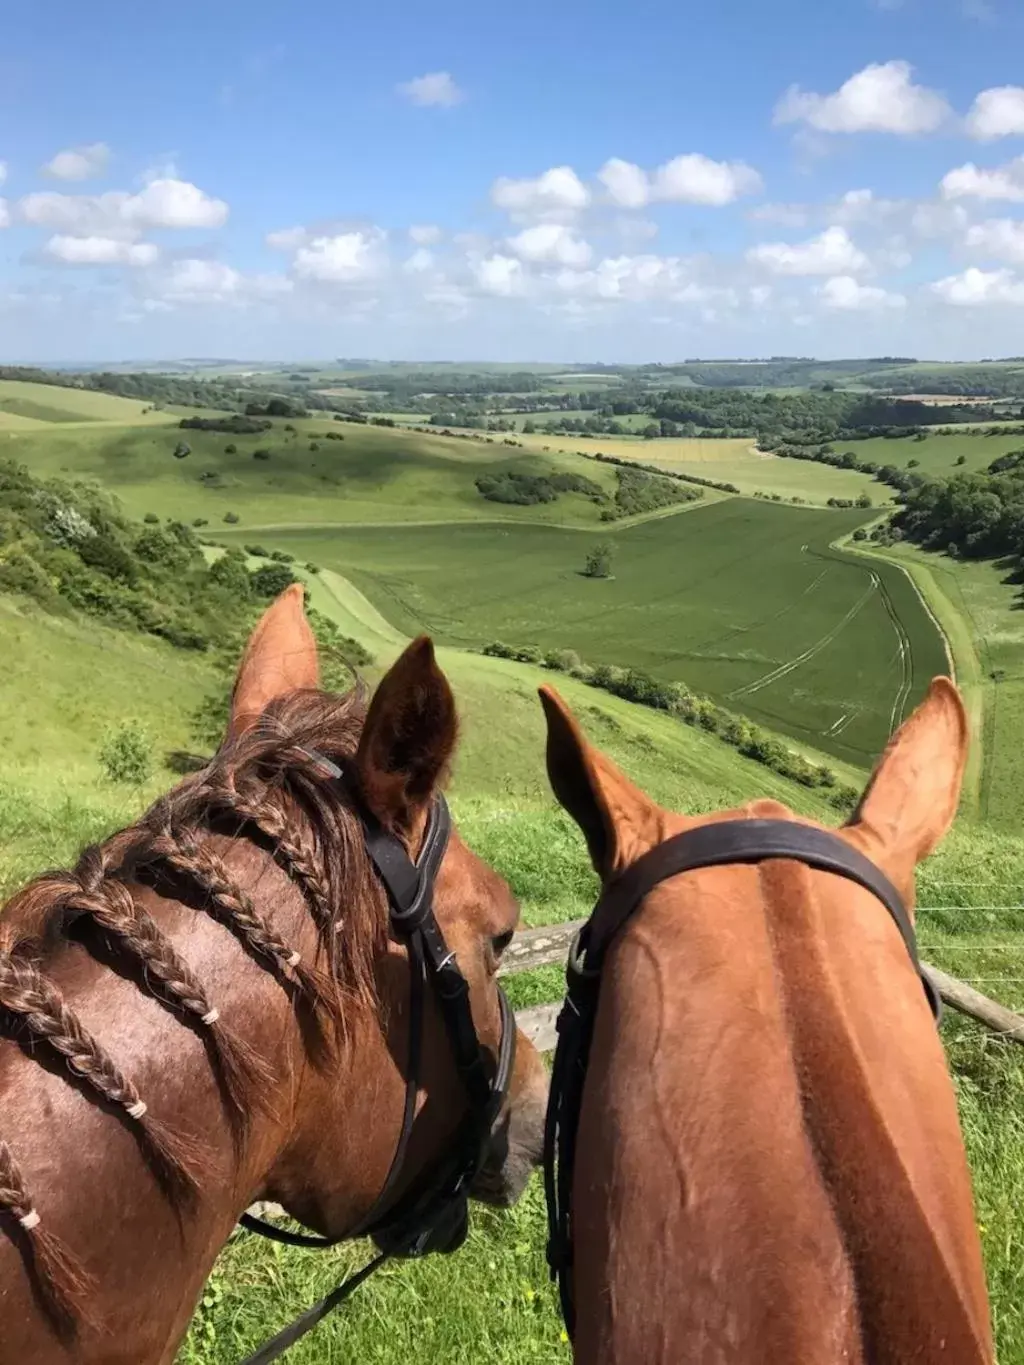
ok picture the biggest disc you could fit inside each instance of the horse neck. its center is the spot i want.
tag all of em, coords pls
(770, 1165)
(85, 1167)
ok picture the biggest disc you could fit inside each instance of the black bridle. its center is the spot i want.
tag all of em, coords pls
(713, 845)
(433, 1215)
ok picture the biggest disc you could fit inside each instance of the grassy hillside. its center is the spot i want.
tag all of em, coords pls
(372, 475)
(27, 406)
(740, 600)
(937, 455)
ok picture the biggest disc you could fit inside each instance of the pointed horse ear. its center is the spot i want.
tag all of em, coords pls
(615, 816)
(408, 739)
(280, 657)
(912, 797)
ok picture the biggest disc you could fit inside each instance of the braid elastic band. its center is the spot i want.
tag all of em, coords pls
(295, 959)
(29, 1220)
(137, 1110)
(210, 1018)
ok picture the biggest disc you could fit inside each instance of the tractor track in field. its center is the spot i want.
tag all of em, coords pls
(791, 665)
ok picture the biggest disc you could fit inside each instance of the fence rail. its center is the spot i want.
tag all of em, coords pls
(550, 945)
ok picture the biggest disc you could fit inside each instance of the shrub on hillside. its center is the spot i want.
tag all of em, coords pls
(231, 448)
(151, 519)
(261, 454)
(126, 754)
(232, 518)
(271, 579)
(233, 426)
(598, 563)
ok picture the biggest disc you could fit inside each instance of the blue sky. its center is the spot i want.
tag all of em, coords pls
(546, 181)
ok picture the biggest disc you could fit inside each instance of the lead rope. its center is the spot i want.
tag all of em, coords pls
(286, 1339)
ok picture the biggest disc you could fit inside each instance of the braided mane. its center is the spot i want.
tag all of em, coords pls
(267, 785)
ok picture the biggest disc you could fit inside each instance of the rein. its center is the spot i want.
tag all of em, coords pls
(434, 1216)
(724, 843)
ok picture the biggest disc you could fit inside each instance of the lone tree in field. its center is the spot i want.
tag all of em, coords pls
(599, 561)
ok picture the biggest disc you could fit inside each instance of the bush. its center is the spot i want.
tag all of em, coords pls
(232, 518)
(262, 454)
(126, 754)
(151, 519)
(312, 568)
(231, 448)
(181, 450)
(599, 561)
(200, 521)
(271, 579)
(563, 660)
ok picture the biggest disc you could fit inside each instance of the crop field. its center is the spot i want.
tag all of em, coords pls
(375, 474)
(741, 600)
(27, 406)
(729, 461)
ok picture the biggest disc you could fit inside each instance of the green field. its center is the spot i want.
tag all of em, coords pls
(26, 406)
(741, 600)
(729, 461)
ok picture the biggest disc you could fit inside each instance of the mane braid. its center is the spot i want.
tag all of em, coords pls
(270, 780)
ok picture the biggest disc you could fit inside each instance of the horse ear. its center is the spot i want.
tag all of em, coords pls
(280, 657)
(614, 815)
(408, 739)
(913, 795)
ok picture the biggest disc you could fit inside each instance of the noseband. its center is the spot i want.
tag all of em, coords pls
(720, 844)
(433, 1215)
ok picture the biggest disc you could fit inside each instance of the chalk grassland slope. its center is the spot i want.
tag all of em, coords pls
(742, 600)
(728, 461)
(27, 406)
(373, 475)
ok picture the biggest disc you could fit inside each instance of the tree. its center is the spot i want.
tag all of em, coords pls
(599, 560)
(181, 450)
(271, 579)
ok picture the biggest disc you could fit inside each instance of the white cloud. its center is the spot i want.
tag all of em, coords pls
(101, 251)
(501, 275)
(161, 204)
(696, 179)
(844, 292)
(627, 185)
(997, 113)
(976, 288)
(3, 171)
(971, 181)
(424, 234)
(1002, 238)
(880, 99)
(436, 88)
(690, 179)
(626, 277)
(196, 281)
(556, 193)
(420, 261)
(5, 216)
(831, 253)
(286, 239)
(345, 258)
(551, 244)
(79, 163)
(174, 204)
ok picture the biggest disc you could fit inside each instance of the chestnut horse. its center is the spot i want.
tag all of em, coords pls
(768, 1164)
(209, 1010)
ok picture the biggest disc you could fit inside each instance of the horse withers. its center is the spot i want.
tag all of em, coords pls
(213, 1008)
(754, 1152)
